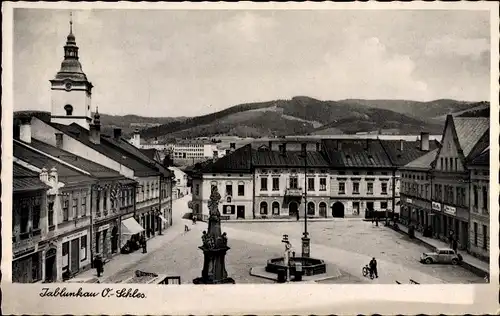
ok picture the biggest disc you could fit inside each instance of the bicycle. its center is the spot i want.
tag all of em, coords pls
(366, 272)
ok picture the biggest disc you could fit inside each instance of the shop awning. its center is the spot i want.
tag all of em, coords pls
(131, 227)
(163, 219)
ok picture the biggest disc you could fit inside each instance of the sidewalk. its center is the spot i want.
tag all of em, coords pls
(285, 220)
(471, 263)
(122, 261)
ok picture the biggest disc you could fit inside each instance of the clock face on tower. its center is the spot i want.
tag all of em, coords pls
(68, 86)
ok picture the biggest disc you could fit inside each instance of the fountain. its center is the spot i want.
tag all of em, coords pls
(214, 247)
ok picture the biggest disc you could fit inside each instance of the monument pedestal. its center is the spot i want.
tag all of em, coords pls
(214, 267)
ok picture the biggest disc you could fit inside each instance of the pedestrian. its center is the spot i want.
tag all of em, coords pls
(194, 219)
(297, 216)
(99, 265)
(454, 244)
(373, 268)
(376, 221)
(186, 228)
(143, 244)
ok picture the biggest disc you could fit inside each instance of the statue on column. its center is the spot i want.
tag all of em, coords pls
(214, 247)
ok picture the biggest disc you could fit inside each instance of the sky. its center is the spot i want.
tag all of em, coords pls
(194, 62)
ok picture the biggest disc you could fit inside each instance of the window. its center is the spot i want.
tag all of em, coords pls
(341, 188)
(229, 189)
(98, 203)
(263, 208)
(384, 187)
(341, 173)
(37, 209)
(445, 164)
(50, 207)
(485, 237)
(276, 184)
(65, 256)
(74, 208)
(475, 234)
(355, 187)
(311, 208)
(213, 185)
(310, 184)
(69, 109)
(441, 163)
(105, 200)
(197, 189)
(276, 208)
(383, 205)
(83, 248)
(370, 187)
(97, 242)
(322, 184)
(241, 189)
(485, 198)
(263, 184)
(294, 183)
(65, 210)
(83, 210)
(476, 197)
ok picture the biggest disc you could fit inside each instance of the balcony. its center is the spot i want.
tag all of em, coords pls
(297, 192)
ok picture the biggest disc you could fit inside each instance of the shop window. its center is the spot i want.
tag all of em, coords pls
(263, 208)
(83, 248)
(65, 256)
(311, 208)
(276, 208)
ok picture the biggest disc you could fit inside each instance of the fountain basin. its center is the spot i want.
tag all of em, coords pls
(310, 266)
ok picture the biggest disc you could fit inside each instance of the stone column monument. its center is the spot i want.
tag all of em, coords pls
(214, 247)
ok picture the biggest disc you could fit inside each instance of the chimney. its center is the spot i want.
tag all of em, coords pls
(25, 129)
(424, 141)
(59, 140)
(232, 146)
(401, 144)
(117, 133)
(137, 138)
(95, 129)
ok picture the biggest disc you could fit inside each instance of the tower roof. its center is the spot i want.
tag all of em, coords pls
(70, 66)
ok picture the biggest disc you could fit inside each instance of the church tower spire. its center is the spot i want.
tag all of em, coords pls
(71, 90)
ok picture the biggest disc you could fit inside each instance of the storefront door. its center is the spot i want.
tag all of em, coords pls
(50, 266)
(75, 255)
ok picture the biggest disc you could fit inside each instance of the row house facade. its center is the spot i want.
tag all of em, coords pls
(339, 178)
(107, 184)
(445, 189)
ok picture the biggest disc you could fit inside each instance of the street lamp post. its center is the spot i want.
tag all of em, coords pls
(305, 239)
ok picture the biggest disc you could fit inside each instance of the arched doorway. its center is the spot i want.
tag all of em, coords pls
(293, 209)
(276, 208)
(263, 208)
(322, 209)
(311, 209)
(114, 240)
(338, 209)
(50, 265)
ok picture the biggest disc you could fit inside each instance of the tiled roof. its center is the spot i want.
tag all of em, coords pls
(65, 173)
(470, 130)
(482, 159)
(79, 133)
(411, 150)
(423, 162)
(149, 152)
(93, 168)
(24, 180)
(273, 158)
(237, 161)
(356, 153)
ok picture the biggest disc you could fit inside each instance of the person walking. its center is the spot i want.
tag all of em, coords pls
(99, 265)
(143, 244)
(373, 268)
(297, 215)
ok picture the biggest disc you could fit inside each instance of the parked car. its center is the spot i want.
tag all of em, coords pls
(441, 255)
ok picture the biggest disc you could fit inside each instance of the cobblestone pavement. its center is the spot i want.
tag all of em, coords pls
(349, 245)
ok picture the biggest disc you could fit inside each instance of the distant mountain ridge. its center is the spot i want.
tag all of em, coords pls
(300, 115)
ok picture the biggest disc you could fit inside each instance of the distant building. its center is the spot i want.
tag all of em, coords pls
(181, 183)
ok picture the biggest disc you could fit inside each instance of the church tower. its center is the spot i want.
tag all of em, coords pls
(71, 91)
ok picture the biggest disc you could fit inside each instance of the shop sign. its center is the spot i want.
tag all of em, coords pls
(450, 210)
(24, 247)
(74, 236)
(409, 200)
(436, 206)
(103, 227)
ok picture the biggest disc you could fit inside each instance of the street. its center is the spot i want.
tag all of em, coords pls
(348, 245)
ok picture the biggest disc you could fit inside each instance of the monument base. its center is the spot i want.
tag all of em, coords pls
(214, 268)
(201, 281)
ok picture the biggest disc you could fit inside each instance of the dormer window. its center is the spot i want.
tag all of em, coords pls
(69, 109)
